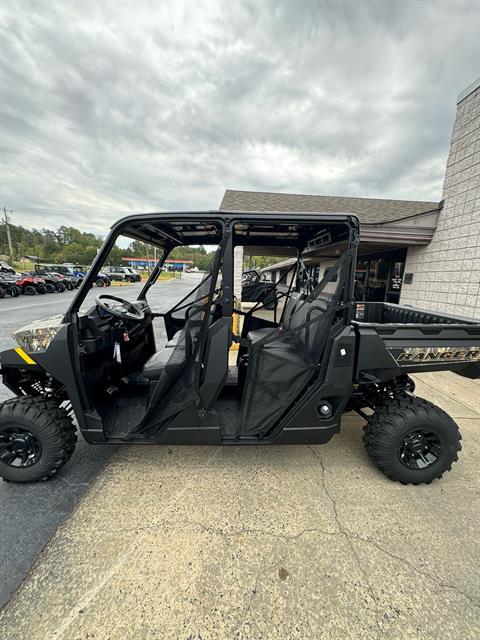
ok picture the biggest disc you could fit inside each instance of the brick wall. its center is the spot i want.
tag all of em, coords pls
(447, 271)
(237, 272)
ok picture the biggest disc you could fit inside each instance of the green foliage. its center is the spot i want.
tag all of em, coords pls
(198, 255)
(68, 244)
(259, 262)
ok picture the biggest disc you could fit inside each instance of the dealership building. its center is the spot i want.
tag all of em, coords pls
(425, 254)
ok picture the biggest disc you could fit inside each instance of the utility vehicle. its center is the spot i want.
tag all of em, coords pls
(66, 272)
(256, 289)
(102, 279)
(296, 370)
(122, 274)
(60, 281)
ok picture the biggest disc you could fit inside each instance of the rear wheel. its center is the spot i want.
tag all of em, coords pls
(41, 288)
(37, 437)
(28, 290)
(60, 287)
(49, 288)
(99, 282)
(411, 440)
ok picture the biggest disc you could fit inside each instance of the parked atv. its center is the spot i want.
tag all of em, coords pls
(295, 375)
(256, 289)
(8, 285)
(29, 284)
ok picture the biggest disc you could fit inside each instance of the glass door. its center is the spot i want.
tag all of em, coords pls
(379, 278)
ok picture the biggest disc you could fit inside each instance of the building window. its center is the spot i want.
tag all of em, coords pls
(378, 278)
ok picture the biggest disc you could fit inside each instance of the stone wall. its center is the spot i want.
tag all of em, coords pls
(446, 273)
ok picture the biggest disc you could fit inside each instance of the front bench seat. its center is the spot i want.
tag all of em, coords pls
(156, 364)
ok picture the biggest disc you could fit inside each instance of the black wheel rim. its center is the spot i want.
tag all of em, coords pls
(419, 449)
(19, 447)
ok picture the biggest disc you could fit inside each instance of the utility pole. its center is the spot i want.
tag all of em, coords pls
(9, 237)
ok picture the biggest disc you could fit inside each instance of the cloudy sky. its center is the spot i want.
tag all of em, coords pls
(127, 106)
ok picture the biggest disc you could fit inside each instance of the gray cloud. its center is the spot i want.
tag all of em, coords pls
(115, 107)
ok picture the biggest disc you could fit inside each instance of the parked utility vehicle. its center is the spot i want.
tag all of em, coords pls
(102, 279)
(122, 274)
(299, 367)
(258, 289)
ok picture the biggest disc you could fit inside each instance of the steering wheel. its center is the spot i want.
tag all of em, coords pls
(125, 310)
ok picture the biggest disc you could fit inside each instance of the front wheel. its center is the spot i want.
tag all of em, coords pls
(14, 291)
(37, 437)
(411, 440)
(99, 282)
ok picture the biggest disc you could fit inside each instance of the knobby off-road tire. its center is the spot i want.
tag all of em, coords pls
(411, 440)
(46, 429)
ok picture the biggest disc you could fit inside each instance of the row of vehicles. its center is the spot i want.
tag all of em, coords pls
(45, 278)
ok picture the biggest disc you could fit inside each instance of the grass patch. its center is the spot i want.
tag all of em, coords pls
(169, 275)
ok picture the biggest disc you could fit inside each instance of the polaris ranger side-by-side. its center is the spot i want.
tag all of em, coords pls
(298, 368)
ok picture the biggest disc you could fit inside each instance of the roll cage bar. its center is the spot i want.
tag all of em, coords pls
(152, 228)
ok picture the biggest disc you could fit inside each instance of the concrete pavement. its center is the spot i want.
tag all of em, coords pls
(265, 542)
(29, 514)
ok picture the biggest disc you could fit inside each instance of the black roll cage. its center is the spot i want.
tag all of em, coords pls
(225, 220)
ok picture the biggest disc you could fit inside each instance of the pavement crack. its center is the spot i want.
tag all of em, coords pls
(248, 606)
(415, 569)
(345, 533)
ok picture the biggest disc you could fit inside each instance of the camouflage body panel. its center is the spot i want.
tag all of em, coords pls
(37, 335)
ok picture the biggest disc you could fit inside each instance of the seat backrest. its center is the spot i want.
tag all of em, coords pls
(293, 300)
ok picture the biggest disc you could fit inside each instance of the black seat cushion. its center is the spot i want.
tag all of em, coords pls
(174, 359)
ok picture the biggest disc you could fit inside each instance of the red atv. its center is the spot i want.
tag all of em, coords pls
(30, 285)
(53, 282)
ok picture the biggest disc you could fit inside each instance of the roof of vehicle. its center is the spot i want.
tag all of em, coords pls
(205, 227)
(368, 210)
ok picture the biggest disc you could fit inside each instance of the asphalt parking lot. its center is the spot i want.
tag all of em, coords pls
(300, 542)
(31, 513)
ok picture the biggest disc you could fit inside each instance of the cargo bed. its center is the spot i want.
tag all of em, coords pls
(395, 339)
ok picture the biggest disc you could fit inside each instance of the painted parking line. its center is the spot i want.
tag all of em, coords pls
(32, 306)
